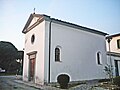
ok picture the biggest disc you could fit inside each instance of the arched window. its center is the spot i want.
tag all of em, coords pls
(57, 54)
(99, 62)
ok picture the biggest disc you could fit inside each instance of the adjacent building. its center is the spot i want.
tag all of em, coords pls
(113, 53)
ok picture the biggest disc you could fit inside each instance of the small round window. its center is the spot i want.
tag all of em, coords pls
(32, 39)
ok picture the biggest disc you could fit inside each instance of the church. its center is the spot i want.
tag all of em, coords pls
(54, 47)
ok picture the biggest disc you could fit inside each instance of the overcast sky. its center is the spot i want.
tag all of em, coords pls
(103, 15)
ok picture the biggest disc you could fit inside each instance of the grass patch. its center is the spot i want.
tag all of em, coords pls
(7, 74)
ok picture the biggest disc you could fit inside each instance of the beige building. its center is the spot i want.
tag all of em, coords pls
(113, 52)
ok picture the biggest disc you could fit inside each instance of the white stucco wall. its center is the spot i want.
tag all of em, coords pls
(46, 60)
(78, 53)
(38, 45)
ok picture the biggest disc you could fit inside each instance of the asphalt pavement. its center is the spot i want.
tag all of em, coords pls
(9, 83)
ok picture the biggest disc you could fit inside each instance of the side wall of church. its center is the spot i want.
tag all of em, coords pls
(78, 53)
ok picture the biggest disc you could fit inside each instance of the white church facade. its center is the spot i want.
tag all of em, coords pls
(54, 47)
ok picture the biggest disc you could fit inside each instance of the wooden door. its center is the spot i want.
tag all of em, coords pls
(32, 69)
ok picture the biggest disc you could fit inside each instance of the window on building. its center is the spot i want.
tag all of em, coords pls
(57, 54)
(118, 43)
(99, 62)
(32, 38)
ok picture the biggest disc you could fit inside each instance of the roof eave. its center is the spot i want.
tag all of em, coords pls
(114, 35)
(48, 18)
(78, 27)
(113, 54)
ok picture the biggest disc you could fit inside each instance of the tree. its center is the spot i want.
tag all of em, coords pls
(20, 55)
(8, 56)
(20, 60)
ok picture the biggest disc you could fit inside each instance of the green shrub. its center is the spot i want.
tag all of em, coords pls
(116, 80)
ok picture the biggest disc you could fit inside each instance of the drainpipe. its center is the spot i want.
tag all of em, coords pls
(111, 66)
(49, 51)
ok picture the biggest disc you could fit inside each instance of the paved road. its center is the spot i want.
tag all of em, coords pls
(8, 83)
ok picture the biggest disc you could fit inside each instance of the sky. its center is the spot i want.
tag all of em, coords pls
(102, 15)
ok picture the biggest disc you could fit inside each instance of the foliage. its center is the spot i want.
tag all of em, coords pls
(8, 56)
(108, 69)
(63, 80)
(20, 59)
(116, 80)
(20, 55)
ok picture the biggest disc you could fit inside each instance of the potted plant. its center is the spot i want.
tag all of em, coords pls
(63, 80)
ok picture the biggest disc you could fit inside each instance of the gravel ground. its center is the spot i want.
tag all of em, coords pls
(13, 83)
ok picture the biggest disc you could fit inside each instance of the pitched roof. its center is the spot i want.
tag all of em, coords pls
(29, 21)
(114, 35)
(48, 18)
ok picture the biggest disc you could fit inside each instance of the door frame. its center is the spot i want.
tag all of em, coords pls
(117, 73)
(31, 56)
